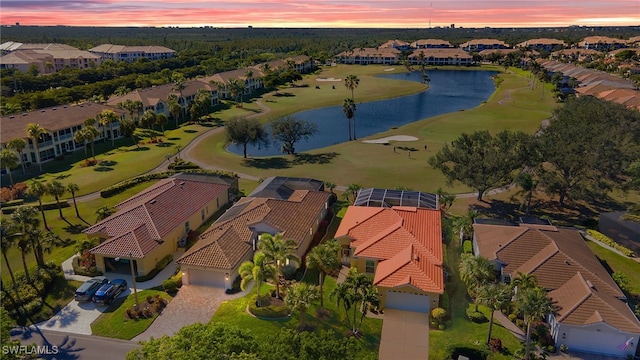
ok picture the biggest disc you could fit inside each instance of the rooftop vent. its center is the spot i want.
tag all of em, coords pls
(152, 201)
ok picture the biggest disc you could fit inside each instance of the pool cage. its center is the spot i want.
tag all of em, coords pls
(388, 198)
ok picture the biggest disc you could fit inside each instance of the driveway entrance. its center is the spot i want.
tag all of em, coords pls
(405, 335)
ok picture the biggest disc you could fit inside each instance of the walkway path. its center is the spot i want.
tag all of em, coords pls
(507, 324)
(193, 304)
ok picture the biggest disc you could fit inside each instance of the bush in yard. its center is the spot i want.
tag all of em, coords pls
(170, 285)
(438, 314)
(476, 316)
(454, 351)
(467, 247)
(495, 345)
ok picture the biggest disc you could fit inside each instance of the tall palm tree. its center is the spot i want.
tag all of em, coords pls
(18, 144)
(475, 271)
(351, 82)
(72, 188)
(349, 110)
(535, 305)
(524, 281)
(528, 187)
(174, 107)
(351, 193)
(128, 128)
(35, 132)
(257, 270)
(236, 88)
(8, 160)
(109, 117)
(324, 258)
(26, 219)
(278, 252)
(91, 133)
(495, 297)
(79, 137)
(161, 120)
(249, 76)
(38, 190)
(300, 297)
(57, 189)
(8, 235)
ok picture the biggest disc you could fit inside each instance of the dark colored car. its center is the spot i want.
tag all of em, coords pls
(107, 292)
(86, 291)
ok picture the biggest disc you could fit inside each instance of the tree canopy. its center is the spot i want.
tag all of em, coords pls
(289, 130)
(482, 161)
(244, 131)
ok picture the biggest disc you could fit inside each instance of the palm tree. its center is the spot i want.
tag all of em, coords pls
(103, 212)
(80, 137)
(528, 187)
(257, 270)
(329, 185)
(300, 297)
(352, 192)
(249, 76)
(148, 119)
(349, 110)
(174, 107)
(356, 293)
(535, 305)
(91, 133)
(343, 295)
(108, 117)
(278, 252)
(324, 258)
(495, 297)
(72, 188)
(38, 190)
(524, 281)
(57, 189)
(464, 224)
(18, 144)
(35, 132)
(236, 88)
(8, 160)
(128, 128)
(26, 219)
(8, 235)
(161, 120)
(351, 82)
(475, 271)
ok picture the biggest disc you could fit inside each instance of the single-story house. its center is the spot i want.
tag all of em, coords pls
(155, 222)
(215, 259)
(401, 247)
(591, 313)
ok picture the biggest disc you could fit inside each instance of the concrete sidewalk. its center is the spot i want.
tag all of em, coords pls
(507, 324)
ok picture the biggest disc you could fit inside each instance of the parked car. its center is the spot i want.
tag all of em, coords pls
(107, 292)
(86, 291)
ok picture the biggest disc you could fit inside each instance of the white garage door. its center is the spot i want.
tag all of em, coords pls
(407, 302)
(207, 278)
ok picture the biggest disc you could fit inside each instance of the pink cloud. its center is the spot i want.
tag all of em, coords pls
(320, 13)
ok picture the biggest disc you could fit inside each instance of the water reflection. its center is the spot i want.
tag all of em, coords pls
(450, 90)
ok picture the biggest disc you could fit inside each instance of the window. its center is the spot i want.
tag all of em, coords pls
(186, 227)
(369, 266)
(202, 214)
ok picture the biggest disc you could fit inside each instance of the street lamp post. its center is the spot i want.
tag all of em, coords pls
(133, 279)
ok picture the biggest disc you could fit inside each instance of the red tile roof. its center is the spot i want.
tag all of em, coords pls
(158, 210)
(407, 241)
(231, 237)
(561, 262)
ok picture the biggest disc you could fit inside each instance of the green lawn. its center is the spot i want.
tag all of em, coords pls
(114, 323)
(514, 105)
(616, 262)
(462, 332)
(234, 312)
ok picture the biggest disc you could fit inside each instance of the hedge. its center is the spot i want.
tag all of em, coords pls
(267, 311)
(467, 247)
(16, 202)
(127, 184)
(46, 206)
(608, 241)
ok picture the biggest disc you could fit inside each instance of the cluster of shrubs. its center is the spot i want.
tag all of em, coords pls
(266, 309)
(127, 184)
(26, 299)
(80, 269)
(608, 241)
(467, 247)
(13, 192)
(438, 318)
(154, 305)
(180, 164)
(453, 352)
(475, 316)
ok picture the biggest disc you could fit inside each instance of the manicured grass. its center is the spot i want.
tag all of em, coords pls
(616, 262)
(114, 323)
(514, 105)
(234, 312)
(461, 331)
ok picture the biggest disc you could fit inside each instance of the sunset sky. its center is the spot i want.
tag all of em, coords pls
(321, 13)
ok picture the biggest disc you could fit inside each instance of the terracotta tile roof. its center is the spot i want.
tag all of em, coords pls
(411, 266)
(579, 302)
(52, 119)
(561, 262)
(231, 237)
(484, 42)
(398, 237)
(541, 41)
(441, 53)
(159, 209)
(425, 42)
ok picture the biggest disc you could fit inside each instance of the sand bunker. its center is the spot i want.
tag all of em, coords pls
(389, 69)
(386, 140)
(328, 79)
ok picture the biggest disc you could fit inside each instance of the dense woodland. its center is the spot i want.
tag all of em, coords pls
(206, 51)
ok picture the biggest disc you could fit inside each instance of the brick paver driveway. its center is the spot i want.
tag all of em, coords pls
(192, 304)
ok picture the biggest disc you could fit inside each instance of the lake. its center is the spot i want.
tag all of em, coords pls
(449, 91)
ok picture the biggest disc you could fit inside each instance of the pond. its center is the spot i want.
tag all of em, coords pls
(449, 91)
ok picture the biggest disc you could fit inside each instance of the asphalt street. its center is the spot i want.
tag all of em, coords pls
(64, 346)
